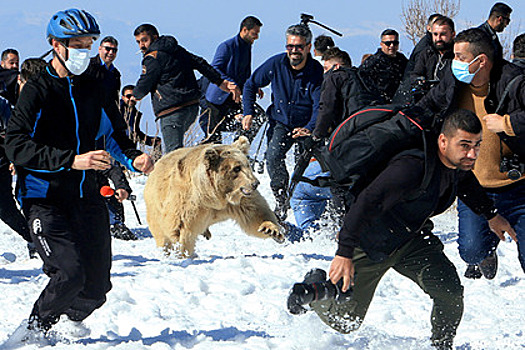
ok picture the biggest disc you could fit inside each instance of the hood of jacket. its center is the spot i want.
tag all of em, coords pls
(165, 43)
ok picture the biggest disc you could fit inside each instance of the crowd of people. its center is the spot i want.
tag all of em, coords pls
(477, 157)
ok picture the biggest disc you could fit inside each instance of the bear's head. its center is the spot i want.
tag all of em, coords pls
(229, 171)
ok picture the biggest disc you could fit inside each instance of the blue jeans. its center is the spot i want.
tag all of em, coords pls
(279, 143)
(308, 202)
(476, 240)
(174, 125)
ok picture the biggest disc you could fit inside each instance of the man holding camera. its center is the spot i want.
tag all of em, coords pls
(495, 91)
(388, 227)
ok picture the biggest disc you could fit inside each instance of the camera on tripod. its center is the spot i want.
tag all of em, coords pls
(421, 86)
(315, 287)
(513, 166)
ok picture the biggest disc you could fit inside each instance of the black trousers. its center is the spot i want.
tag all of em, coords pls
(9, 213)
(73, 239)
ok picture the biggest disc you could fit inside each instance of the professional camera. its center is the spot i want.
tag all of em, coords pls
(315, 287)
(513, 166)
(421, 86)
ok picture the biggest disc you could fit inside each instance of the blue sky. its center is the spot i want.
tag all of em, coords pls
(200, 25)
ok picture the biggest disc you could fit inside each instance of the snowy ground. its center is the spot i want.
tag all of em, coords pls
(233, 296)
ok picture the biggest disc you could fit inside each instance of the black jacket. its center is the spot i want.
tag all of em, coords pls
(429, 67)
(342, 94)
(392, 209)
(54, 120)
(167, 73)
(520, 62)
(110, 78)
(382, 73)
(498, 49)
(442, 99)
(423, 44)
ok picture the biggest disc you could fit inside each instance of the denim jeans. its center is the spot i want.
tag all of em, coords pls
(476, 240)
(308, 202)
(174, 125)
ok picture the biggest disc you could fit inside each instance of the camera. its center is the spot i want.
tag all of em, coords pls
(315, 287)
(513, 166)
(421, 86)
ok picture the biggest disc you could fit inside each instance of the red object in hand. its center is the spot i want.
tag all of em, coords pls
(106, 191)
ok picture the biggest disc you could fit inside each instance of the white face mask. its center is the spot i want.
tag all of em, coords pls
(78, 60)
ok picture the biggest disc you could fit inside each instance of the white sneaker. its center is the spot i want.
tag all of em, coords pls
(26, 334)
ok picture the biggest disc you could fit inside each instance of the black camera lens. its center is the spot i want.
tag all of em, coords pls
(514, 174)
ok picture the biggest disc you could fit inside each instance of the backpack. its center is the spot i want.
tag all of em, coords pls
(361, 146)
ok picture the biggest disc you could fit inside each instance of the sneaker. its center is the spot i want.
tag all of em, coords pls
(33, 254)
(473, 272)
(489, 266)
(28, 333)
(120, 231)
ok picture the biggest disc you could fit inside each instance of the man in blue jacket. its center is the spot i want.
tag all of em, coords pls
(295, 79)
(233, 59)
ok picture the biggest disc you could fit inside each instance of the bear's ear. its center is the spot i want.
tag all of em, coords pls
(243, 144)
(212, 159)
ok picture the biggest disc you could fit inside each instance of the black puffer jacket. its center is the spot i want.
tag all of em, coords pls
(167, 73)
(382, 73)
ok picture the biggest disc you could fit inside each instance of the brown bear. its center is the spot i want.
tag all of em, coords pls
(193, 188)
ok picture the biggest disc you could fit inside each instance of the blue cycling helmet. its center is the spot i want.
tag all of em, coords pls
(72, 23)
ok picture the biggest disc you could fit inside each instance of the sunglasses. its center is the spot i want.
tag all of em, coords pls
(299, 47)
(390, 43)
(128, 96)
(109, 49)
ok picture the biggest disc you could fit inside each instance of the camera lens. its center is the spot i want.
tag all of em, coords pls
(514, 174)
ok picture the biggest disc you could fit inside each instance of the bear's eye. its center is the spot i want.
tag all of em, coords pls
(237, 169)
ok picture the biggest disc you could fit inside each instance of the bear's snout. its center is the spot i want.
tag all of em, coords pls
(255, 184)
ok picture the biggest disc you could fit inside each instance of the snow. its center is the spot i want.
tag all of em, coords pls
(233, 295)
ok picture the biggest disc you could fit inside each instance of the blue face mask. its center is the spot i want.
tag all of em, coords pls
(461, 72)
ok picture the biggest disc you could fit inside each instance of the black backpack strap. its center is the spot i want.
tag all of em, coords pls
(506, 93)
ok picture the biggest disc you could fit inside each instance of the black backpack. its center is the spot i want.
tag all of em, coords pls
(361, 146)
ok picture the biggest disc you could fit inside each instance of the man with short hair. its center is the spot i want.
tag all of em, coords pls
(430, 64)
(107, 53)
(383, 71)
(321, 44)
(499, 19)
(9, 87)
(51, 139)
(384, 229)
(233, 59)
(167, 74)
(495, 91)
(518, 51)
(423, 44)
(132, 116)
(295, 79)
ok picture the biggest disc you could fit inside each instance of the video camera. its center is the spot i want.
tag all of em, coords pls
(315, 287)
(513, 166)
(306, 19)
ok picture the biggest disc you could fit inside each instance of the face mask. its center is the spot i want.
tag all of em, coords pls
(78, 61)
(461, 72)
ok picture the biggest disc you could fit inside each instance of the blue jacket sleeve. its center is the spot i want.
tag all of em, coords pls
(105, 131)
(260, 78)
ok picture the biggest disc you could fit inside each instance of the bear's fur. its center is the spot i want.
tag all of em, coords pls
(195, 187)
